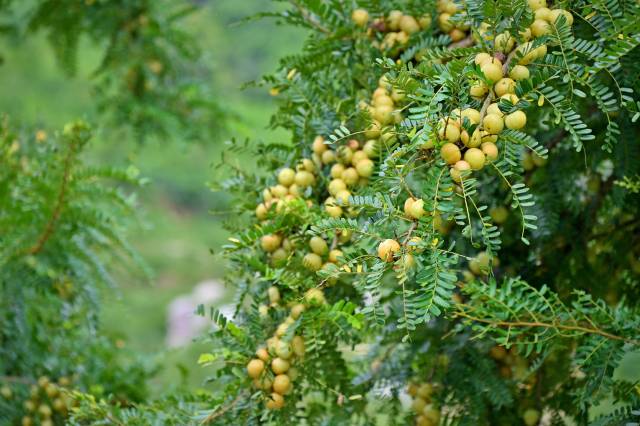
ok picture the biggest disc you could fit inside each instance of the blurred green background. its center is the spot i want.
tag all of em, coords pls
(178, 230)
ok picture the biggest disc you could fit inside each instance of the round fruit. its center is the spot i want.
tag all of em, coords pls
(360, 17)
(336, 185)
(281, 384)
(286, 176)
(274, 294)
(332, 208)
(457, 169)
(283, 349)
(314, 296)
(408, 24)
(371, 148)
(6, 392)
(473, 141)
(531, 417)
(297, 310)
(449, 132)
(519, 72)
(312, 261)
(444, 21)
(456, 34)
(263, 383)
(262, 354)
(537, 4)
(275, 401)
(318, 145)
(279, 191)
(297, 343)
(304, 178)
(493, 123)
(414, 245)
(450, 153)
(336, 171)
(26, 421)
(407, 206)
(432, 414)
(472, 114)
(504, 85)
(490, 150)
(540, 27)
(416, 209)
(255, 367)
(425, 390)
(358, 156)
(350, 176)
(478, 89)
(494, 108)
(492, 69)
(279, 366)
(418, 405)
(475, 158)
(499, 214)
(270, 242)
(543, 13)
(387, 249)
(334, 255)
(365, 167)
(343, 197)
(516, 120)
(504, 42)
(45, 410)
(481, 58)
(328, 157)
(555, 14)
(318, 246)
(425, 21)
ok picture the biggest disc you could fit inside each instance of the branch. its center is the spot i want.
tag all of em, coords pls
(49, 228)
(586, 330)
(465, 42)
(216, 414)
(309, 18)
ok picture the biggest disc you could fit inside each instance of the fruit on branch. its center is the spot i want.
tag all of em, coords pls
(360, 17)
(255, 367)
(387, 249)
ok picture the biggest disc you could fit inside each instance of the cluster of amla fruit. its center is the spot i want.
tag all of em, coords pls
(275, 367)
(452, 20)
(427, 413)
(321, 254)
(291, 184)
(47, 401)
(397, 27)
(466, 150)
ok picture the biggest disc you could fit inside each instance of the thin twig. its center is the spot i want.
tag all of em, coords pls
(309, 18)
(224, 409)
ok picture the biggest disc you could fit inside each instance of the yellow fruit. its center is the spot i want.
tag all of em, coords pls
(365, 167)
(537, 4)
(531, 417)
(418, 405)
(425, 390)
(543, 13)
(336, 185)
(490, 150)
(286, 176)
(270, 242)
(342, 197)
(332, 208)
(450, 153)
(478, 89)
(526, 34)
(27, 421)
(444, 22)
(504, 86)
(387, 249)
(555, 14)
(492, 69)
(306, 164)
(457, 170)
(504, 42)
(382, 100)
(424, 21)
(393, 20)
(416, 209)
(481, 58)
(409, 25)
(360, 17)
(262, 354)
(475, 158)
(297, 310)
(312, 261)
(350, 176)
(528, 53)
(473, 141)
(315, 296)
(499, 214)
(519, 72)
(297, 343)
(472, 114)
(371, 148)
(263, 383)
(279, 191)
(456, 34)
(494, 109)
(488, 137)
(516, 120)
(274, 294)
(255, 367)
(539, 161)
(432, 414)
(281, 384)
(449, 132)
(318, 245)
(540, 27)
(318, 145)
(6, 392)
(304, 179)
(358, 156)
(493, 123)
(59, 405)
(328, 157)
(334, 255)
(279, 366)
(275, 401)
